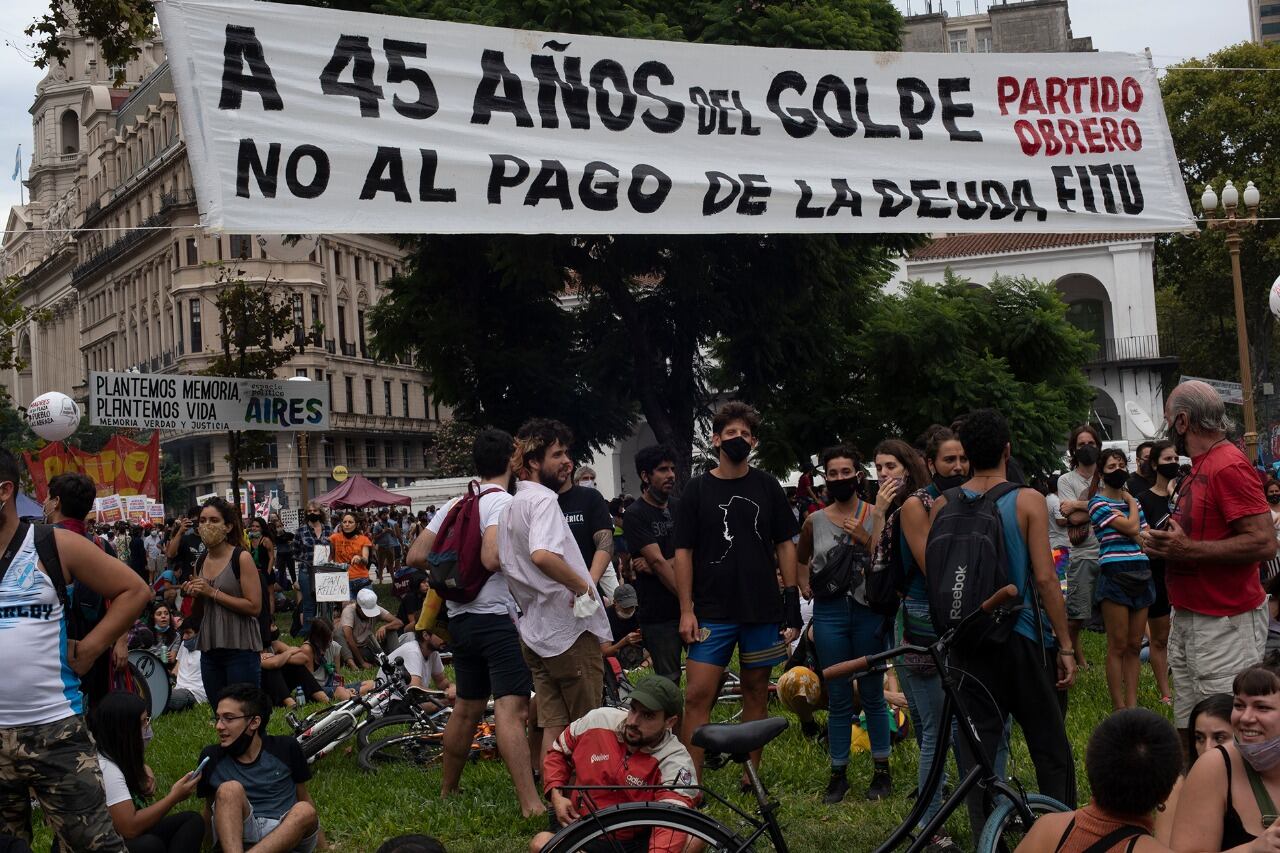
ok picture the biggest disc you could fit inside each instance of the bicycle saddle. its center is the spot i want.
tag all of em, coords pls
(738, 739)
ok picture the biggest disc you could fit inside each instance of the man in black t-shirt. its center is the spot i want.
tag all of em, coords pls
(255, 784)
(587, 513)
(733, 534)
(184, 546)
(649, 528)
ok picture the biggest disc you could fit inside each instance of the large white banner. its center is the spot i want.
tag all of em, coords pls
(323, 121)
(206, 403)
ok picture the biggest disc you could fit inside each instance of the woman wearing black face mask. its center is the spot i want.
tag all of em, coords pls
(1125, 589)
(1155, 507)
(1271, 568)
(314, 531)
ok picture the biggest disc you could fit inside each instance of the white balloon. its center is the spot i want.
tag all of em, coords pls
(53, 416)
(1274, 299)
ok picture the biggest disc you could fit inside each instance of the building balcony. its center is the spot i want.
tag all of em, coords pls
(349, 349)
(330, 346)
(1140, 350)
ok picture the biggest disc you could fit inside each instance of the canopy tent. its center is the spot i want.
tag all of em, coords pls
(28, 508)
(358, 492)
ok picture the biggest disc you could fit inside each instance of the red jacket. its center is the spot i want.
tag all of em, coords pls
(592, 752)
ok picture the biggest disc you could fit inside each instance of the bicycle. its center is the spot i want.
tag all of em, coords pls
(423, 747)
(1001, 832)
(1009, 819)
(320, 733)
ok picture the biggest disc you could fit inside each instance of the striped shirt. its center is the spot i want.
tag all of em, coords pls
(1114, 546)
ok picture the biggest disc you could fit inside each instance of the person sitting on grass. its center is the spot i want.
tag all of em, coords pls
(121, 726)
(1132, 761)
(361, 634)
(188, 686)
(614, 746)
(421, 658)
(255, 784)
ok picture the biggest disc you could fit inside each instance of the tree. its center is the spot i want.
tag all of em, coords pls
(1220, 133)
(931, 353)
(452, 448)
(484, 315)
(256, 325)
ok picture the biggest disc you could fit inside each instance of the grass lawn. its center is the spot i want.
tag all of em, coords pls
(359, 810)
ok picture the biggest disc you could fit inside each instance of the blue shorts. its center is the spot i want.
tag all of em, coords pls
(760, 646)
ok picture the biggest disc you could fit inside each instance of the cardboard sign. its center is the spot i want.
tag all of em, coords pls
(289, 519)
(332, 586)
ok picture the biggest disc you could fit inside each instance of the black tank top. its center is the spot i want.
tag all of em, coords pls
(1233, 832)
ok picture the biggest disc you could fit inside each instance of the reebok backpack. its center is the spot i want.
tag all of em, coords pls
(965, 561)
(454, 567)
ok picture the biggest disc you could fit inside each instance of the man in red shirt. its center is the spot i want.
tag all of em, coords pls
(613, 746)
(1219, 530)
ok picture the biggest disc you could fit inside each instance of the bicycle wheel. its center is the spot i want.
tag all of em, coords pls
(419, 749)
(1004, 829)
(385, 727)
(334, 732)
(602, 825)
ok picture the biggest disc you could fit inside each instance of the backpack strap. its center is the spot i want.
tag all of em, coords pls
(1265, 806)
(47, 551)
(1066, 836)
(19, 536)
(1115, 836)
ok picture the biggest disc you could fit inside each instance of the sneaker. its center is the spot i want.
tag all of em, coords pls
(881, 786)
(837, 787)
(941, 844)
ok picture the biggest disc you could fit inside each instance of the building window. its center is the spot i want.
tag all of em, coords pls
(193, 253)
(342, 323)
(217, 241)
(180, 328)
(958, 41)
(386, 396)
(371, 453)
(1268, 10)
(241, 247)
(404, 397)
(364, 348)
(329, 461)
(270, 456)
(1271, 28)
(349, 385)
(315, 319)
(197, 340)
(368, 396)
(377, 272)
(299, 324)
(406, 454)
(319, 375)
(1088, 316)
(350, 449)
(359, 270)
(983, 41)
(337, 262)
(301, 372)
(328, 380)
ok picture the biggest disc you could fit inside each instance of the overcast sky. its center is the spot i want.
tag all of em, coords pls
(1173, 29)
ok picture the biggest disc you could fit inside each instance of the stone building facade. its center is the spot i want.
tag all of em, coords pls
(110, 245)
(1030, 26)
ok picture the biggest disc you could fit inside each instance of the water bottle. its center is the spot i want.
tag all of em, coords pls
(298, 696)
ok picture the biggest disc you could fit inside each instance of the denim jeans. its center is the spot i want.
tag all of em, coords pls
(923, 689)
(308, 597)
(220, 667)
(844, 629)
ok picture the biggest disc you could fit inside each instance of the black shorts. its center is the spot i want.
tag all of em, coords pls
(638, 843)
(487, 660)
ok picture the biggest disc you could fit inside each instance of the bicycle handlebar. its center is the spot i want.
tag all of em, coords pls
(856, 666)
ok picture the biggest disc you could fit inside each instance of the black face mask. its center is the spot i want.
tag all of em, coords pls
(1168, 470)
(945, 484)
(842, 490)
(1086, 455)
(352, 534)
(1180, 442)
(1273, 499)
(314, 516)
(1116, 479)
(240, 745)
(736, 449)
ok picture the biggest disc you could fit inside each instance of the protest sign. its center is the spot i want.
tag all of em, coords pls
(121, 467)
(155, 512)
(110, 509)
(332, 586)
(205, 403)
(341, 122)
(135, 508)
(289, 519)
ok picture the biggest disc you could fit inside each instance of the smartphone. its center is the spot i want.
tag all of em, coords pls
(1163, 523)
(200, 766)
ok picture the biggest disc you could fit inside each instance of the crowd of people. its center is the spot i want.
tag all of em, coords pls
(555, 592)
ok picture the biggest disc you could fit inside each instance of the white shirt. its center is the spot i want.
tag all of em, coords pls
(1073, 487)
(494, 598)
(533, 521)
(1057, 535)
(113, 783)
(410, 654)
(188, 673)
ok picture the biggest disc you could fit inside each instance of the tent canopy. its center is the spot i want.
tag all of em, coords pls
(27, 508)
(357, 492)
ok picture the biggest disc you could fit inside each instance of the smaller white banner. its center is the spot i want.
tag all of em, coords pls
(1230, 392)
(289, 520)
(206, 403)
(332, 586)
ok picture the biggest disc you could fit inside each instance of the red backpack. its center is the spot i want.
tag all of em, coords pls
(454, 567)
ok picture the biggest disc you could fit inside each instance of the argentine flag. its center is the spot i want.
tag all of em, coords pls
(17, 164)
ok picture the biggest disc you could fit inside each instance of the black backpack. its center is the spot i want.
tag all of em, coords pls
(965, 562)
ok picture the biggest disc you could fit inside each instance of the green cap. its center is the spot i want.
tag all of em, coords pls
(658, 694)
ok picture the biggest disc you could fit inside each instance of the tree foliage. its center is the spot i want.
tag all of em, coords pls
(484, 315)
(255, 320)
(452, 448)
(1222, 130)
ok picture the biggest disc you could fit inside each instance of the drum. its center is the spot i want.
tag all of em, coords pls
(149, 670)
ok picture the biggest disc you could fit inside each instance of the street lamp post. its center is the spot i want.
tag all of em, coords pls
(1234, 224)
(304, 456)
